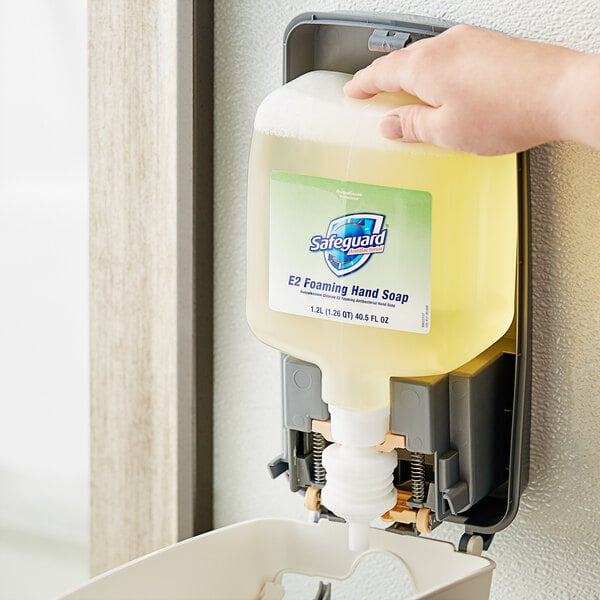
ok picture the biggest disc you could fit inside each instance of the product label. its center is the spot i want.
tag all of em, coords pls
(350, 252)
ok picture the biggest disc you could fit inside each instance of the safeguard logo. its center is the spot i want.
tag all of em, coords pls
(350, 242)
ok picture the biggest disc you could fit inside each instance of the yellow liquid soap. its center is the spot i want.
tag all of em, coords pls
(435, 284)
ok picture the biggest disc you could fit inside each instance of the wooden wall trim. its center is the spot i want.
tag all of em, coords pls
(142, 286)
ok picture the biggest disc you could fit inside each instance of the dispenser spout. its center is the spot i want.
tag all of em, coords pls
(360, 479)
(358, 536)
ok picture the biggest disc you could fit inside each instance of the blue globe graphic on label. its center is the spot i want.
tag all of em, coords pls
(340, 259)
(350, 242)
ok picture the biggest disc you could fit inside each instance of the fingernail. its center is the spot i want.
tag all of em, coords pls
(391, 127)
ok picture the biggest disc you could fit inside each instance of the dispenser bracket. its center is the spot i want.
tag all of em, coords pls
(387, 41)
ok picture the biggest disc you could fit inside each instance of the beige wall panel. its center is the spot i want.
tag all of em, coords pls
(141, 284)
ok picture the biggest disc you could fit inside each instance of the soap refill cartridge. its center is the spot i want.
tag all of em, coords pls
(372, 259)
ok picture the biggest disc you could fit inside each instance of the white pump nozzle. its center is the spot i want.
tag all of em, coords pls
(359, 484)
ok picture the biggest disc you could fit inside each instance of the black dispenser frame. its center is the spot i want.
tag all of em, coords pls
(340, 41)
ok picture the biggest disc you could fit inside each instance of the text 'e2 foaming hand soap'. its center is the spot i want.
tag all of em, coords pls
(372, 259)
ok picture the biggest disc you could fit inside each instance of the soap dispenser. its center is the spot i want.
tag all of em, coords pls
(379, 268)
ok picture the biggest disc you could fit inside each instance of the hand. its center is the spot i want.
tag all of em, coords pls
(484, 92)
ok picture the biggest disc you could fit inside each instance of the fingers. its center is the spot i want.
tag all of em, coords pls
(393, 72)
(410, 123)
(382, 75)
(353, 89)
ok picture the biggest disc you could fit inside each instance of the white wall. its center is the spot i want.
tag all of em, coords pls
(43, 297)
(551, 550)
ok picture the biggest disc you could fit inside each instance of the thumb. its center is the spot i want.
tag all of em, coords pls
(410, 123)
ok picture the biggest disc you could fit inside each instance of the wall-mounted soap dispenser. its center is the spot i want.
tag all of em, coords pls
(394, 277)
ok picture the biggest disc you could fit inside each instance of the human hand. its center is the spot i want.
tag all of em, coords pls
(484, 92)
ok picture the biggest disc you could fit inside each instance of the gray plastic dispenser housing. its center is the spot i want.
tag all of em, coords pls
(467, 432)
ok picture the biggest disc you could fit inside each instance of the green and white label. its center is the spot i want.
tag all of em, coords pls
(350, 252)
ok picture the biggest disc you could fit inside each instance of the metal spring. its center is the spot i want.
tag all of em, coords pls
(417, 475)
(318, 445)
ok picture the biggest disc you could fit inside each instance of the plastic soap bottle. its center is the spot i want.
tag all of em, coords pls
(372, 259)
